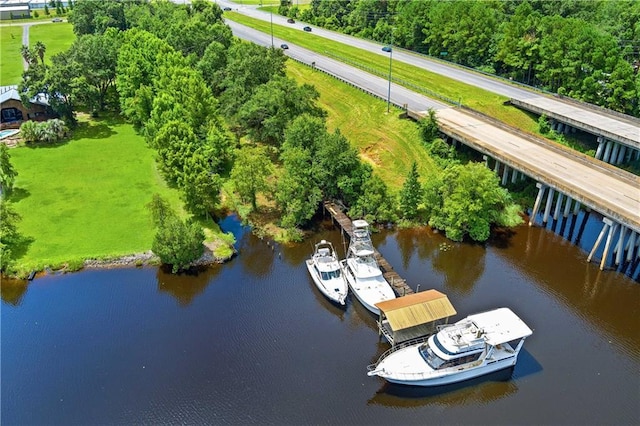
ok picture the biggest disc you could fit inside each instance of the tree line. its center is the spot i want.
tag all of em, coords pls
(588, 50)
(221, 111)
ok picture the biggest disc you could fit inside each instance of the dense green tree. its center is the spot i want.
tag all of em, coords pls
(273, 106)
(248, 66)
(375, 204)
(9, 234)
(97, 57)
(7, 172)
(177, 243)
(136, 71)
(466, 200)
(411, 194)
(212, 65)
(199, 185)
(250, 172)
(94, 17)
(297, 194)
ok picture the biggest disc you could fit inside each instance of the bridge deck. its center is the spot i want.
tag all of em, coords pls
(598, 185)
(613, 126)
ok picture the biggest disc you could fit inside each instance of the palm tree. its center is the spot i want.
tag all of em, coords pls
(40, 48)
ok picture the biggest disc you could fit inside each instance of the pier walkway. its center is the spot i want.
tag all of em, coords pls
(398, 283)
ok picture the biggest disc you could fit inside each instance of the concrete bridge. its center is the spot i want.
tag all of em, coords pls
(618, 135)
(567, 180)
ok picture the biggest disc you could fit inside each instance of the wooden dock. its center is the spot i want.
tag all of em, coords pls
(398, 283)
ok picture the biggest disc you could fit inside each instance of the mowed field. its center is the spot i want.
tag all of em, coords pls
(86, 197)
(57, 37)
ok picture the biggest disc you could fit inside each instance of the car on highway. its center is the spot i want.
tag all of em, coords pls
(56, 20)
(226, 9)
(284, 46)
(386, 49)
(307, 29)
(291, 21)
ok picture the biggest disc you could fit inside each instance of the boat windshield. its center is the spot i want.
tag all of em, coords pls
(330, 274)
(430, 357)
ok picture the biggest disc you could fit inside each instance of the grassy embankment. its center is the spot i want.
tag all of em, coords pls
(57, 37)
(473, 97)
(85, 198)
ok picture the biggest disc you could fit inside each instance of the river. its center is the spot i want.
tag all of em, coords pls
(253, 342)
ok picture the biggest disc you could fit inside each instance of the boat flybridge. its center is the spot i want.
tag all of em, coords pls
(477, 345)
(325, 270)
(362, 271)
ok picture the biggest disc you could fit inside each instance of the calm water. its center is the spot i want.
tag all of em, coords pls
(253, 342)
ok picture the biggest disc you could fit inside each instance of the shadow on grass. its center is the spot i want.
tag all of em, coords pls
(19, 249)
(19, 194)
(94, 130)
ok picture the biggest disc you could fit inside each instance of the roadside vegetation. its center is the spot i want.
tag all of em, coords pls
(226, 125)
(585, 50)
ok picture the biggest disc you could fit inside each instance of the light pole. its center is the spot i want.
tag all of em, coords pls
(271, 10)
(390, 62)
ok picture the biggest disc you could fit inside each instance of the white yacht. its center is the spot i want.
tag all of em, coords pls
(362, 271)
(477, 345)
(325, 270)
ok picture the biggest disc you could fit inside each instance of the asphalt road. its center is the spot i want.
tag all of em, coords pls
(599, 186)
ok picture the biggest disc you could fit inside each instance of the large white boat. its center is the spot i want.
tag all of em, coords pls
(325, 270)
(362, 271)
(477, 345)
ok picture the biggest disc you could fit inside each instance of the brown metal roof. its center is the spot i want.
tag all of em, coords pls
(415, 309)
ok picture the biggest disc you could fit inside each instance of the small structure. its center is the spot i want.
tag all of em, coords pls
(13, 112)
(10, 9)
(414, 315)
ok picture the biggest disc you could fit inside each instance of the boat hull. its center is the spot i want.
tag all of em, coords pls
(456, 377)
(328, 289)
(368, 292)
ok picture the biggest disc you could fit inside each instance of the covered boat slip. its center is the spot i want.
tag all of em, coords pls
(413, 316)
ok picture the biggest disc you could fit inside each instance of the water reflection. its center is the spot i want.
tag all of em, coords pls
(481, 390)
(185, 287)
(461, 264)
(12, 291)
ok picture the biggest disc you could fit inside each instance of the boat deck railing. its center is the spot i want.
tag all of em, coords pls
(397, 347)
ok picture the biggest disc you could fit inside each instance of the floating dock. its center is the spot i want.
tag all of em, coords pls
(398, 283)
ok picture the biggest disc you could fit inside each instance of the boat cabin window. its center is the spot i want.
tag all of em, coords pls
(430, 357)
(327, 275)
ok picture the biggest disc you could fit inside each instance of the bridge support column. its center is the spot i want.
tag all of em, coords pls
(536, 206)
(486, 160)
(600, 150)
(611, 226)
(505, 175)
(560, 127)
(547, 207)
(576, 208)
(556, 212)
(607, 151)
(619, 247)
(514, 176)
(621, 154)
(614, 153)
(567, 207)
(631, 246)
(496, 167)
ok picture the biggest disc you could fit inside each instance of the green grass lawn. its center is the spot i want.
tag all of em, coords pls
(86, 198)
(481, 100)
(57, 37)
(390, 144)
(10, 58)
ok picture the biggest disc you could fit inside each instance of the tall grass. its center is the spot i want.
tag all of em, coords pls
(385, 140)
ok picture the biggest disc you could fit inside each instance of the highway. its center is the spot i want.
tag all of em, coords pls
(615, 126)
(602, 187)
